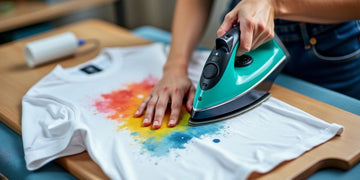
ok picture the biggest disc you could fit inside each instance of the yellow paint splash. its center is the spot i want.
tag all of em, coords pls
(134, 125)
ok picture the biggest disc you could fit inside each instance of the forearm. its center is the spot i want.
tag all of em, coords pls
(190, 19)
(317, 11)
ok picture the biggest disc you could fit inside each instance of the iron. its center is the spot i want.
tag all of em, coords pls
(229, 84)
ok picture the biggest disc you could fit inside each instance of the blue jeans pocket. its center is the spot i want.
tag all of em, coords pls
(343, 43)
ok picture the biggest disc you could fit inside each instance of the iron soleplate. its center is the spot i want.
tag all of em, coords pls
(229, 109)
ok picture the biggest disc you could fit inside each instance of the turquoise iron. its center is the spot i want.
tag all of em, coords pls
(230, 84)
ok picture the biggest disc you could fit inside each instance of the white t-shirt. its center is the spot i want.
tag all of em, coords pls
(70, 111)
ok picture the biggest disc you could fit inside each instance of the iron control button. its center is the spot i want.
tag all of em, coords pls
(210, 71)
(243, 60)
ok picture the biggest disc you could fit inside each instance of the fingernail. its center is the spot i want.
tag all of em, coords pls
(189, 107)
(156, 124)
(146, 122)
(137, 112)
(172, 123)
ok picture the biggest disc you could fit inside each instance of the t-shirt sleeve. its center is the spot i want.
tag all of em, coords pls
(48, 130)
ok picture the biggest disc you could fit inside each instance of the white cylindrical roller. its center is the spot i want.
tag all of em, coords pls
(51, 48)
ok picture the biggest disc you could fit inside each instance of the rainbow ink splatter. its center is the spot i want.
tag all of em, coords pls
(120, 105)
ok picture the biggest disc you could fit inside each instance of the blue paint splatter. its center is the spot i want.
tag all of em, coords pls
(178, 139)
(209, 129)
(135, 134)
(216, 140)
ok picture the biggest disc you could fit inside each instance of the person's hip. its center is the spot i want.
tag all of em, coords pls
(333, 42)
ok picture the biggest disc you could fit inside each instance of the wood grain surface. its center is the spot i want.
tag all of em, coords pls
(30, 12)
(16, 78)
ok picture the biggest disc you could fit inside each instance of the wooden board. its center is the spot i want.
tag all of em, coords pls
(31, 12)
(16, 78)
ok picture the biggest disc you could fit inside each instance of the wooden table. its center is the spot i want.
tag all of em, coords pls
(31, 12)
(16, 78)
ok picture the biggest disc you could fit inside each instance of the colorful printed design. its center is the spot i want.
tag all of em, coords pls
(121, 105)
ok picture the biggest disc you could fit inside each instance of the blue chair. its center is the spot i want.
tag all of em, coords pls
(12, 162)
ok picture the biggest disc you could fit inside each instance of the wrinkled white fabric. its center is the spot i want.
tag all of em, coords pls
(70, 111)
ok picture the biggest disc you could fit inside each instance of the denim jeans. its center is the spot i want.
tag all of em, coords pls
(327, 55)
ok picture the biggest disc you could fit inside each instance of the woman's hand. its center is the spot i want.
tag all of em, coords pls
(256, 19)
(172, 88)
(189, 23)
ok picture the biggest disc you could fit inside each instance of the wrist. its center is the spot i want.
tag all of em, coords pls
(277, 8)
(176, 65)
